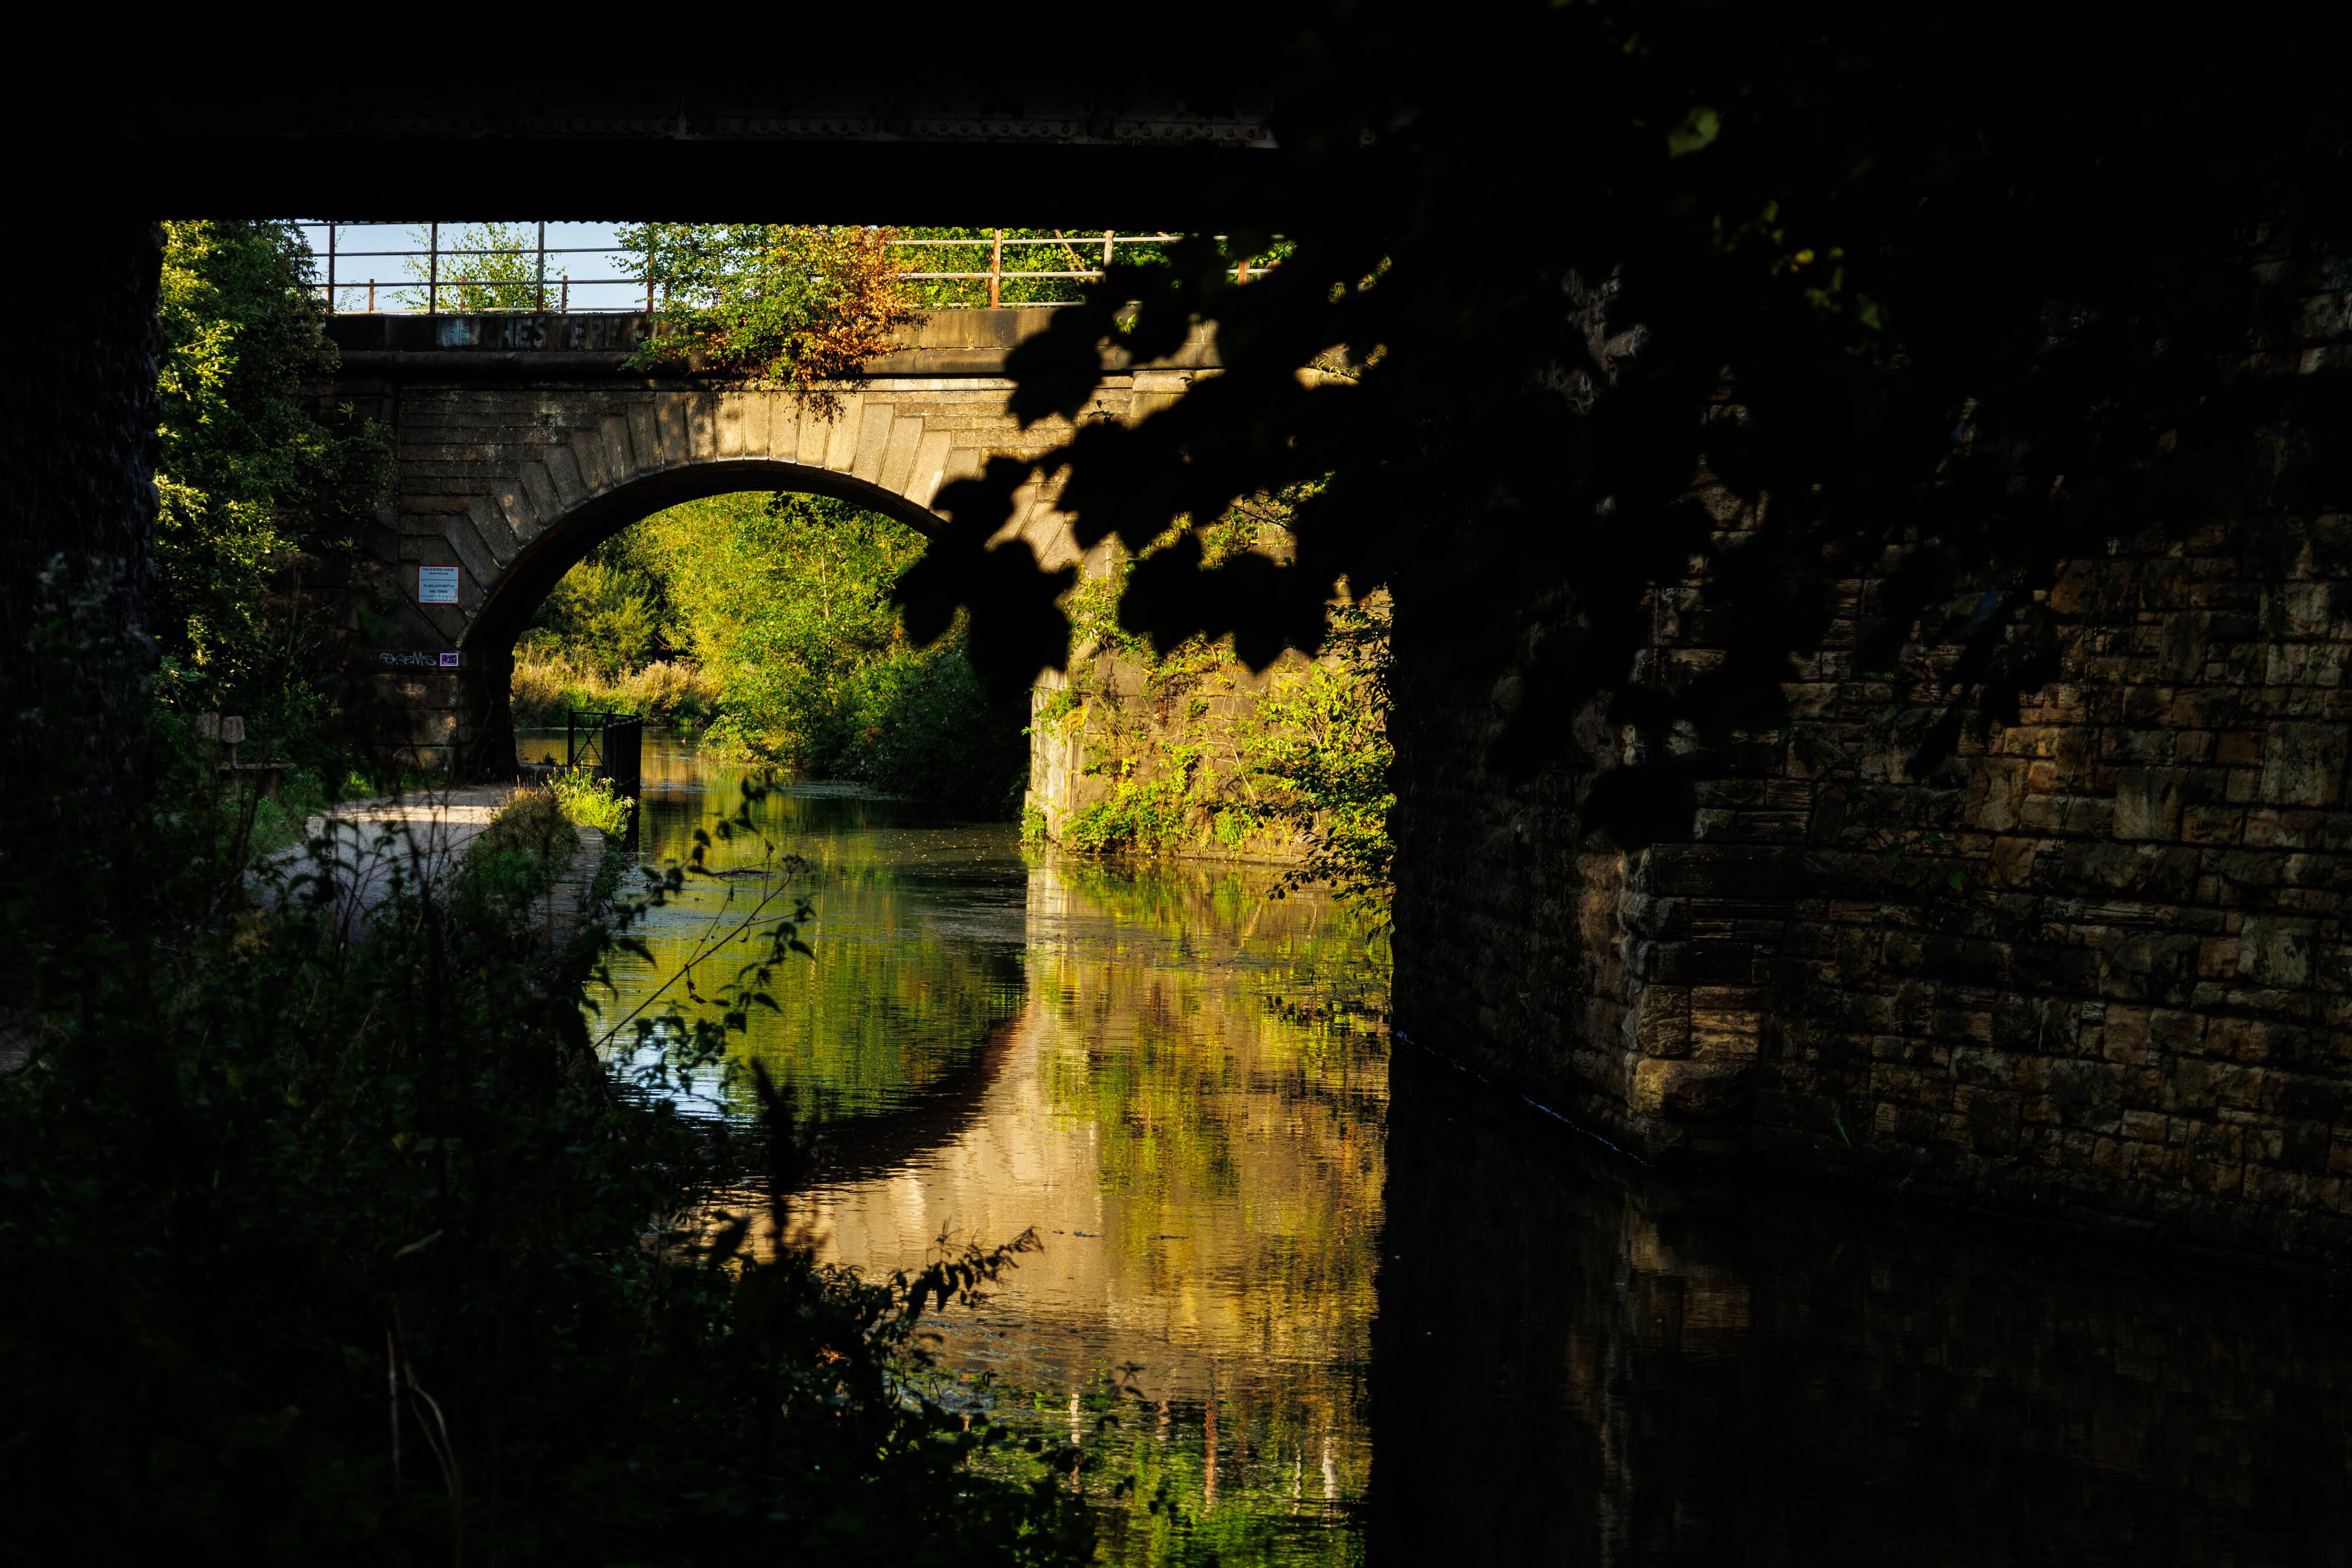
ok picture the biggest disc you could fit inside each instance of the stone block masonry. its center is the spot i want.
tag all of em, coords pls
(2097, 968)
(1176, 732)
(522, 441)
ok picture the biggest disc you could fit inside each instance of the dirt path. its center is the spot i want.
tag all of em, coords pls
(379, 846)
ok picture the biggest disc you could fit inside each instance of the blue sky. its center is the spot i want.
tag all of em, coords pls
(591, 273)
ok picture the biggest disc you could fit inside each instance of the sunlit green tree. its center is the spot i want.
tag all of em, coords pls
(481, 267)
(250, 475)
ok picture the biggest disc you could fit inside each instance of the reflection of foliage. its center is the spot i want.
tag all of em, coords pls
(1234, 1003)
(885, 1018)
(785, 305)
(1291, 1467)
(1226, 1062)
(343, 1249)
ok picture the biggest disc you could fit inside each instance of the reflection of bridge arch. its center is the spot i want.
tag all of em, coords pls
(523, 441)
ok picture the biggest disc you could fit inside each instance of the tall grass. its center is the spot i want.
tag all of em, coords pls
(671, 691)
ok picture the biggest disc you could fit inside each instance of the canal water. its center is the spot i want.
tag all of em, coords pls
(1308, 1295)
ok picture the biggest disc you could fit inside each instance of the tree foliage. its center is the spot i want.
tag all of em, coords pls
(482, 266)
(1620, 286)
(789, 306)
(611, 614)
(783, 603)
(328, 1240)
(1321, 736)
(250, 476)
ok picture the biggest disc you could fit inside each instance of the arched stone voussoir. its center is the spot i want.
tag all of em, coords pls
(515, 591)
(515, 468)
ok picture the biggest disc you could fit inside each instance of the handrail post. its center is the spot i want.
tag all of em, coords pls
(330, 269)
(1107, 237)
(996, 267)
(541, 305)
(433, 271)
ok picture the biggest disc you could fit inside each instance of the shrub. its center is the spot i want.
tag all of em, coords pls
(1135, 817)
(591, 801)
(338, 1247)
(525, 845)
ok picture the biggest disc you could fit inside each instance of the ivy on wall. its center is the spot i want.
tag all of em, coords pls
(1197, 758)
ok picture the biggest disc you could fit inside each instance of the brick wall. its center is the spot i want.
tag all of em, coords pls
(2096, 966)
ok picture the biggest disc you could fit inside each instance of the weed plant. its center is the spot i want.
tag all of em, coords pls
(590, 801)
(322, 1247)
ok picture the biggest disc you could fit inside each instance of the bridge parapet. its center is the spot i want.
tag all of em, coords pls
(523, 440)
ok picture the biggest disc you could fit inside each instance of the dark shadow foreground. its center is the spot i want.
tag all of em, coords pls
(1577, 1362)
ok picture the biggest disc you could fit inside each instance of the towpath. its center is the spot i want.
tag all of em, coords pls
(409, 839)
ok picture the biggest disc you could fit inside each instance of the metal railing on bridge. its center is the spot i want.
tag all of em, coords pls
(460, 278)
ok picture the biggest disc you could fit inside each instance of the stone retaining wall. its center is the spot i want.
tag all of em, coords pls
(2096, 966)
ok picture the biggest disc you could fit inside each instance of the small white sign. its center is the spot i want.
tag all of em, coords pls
(436, 585)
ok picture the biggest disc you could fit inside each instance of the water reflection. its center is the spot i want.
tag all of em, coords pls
(1174, 1078)
(1289, 1321)
(922, 931)
(1577, 1364)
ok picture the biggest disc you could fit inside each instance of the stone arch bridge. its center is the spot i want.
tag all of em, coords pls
(523, 441)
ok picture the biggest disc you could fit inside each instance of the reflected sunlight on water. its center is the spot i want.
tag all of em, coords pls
(1184, 1086)
(1176, 1079)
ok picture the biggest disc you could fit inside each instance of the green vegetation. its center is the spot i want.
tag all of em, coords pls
(251, 482)
(784, 304)
(611, 613)
(1067, 250)
(1196, 760)
(767, 619)
(887, 1018)
(545, 687)
(1319, 742)
(591, 802)
(524, 849)
(608, 637)
(325, 1245)
(484, 266)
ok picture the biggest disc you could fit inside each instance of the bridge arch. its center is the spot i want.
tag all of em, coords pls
(523, 441)
(511, 598)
